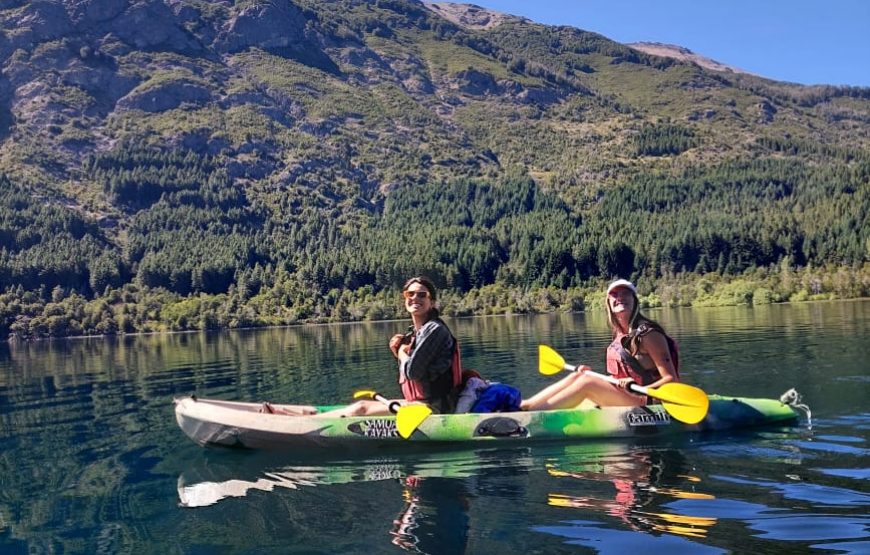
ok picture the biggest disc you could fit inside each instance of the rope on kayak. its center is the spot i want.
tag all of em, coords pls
(793, 399)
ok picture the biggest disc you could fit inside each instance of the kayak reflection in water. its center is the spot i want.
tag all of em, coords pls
(641, 353)
(643, 482)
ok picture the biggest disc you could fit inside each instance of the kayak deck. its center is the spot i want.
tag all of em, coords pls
(241, 424)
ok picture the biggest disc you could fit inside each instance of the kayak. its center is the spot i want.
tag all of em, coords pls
(242, 424)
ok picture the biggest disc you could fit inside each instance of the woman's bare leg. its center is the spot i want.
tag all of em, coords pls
(573, 389)
(291, 410)
(606, 394)
(360, 408)
(539, 398)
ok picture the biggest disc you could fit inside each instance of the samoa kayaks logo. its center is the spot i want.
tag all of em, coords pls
(376, 428)
(380, 472)
(646, 417)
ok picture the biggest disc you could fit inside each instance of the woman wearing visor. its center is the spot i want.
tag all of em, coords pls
(640, 352)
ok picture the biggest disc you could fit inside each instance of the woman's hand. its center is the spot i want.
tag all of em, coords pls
(404, 352)
(395, 343)
(624, 383)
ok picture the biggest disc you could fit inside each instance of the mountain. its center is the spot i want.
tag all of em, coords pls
(683, 54)
(195, 164)
(472, 17)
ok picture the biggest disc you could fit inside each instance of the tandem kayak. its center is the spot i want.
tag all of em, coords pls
(241, 424)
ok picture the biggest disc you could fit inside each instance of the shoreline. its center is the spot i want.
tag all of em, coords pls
(13, 339)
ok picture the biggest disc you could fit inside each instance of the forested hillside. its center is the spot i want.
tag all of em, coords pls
(204, 164)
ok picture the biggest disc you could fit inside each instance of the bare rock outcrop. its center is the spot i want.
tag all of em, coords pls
(165, 96)
(470, 16)
(477, 83)
(151, 25)
(270, 26)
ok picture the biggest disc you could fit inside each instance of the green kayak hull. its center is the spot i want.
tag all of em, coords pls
(240, 424)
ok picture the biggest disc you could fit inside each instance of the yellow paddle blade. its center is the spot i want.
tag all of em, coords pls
(683, 413)
(680, 393)
(682, 401)
(688, 415)
(549, 361)
(409, 418)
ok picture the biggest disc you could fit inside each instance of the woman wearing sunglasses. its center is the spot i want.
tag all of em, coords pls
(641, 353)
(427, 354)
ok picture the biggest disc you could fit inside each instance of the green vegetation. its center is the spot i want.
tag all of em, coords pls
(200, 255)
(663, 139)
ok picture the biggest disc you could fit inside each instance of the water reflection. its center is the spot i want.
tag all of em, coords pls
(641, 480)
(813, 493)
(227, 476)
(609, 541)
(632, 484)
(431, 509)
(654, 492)
(434, 518)
(91, 459)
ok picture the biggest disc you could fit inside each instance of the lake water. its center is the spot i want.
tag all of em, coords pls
(91, 460)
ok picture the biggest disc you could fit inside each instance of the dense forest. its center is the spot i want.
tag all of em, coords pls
(257, 164)
(206, 257)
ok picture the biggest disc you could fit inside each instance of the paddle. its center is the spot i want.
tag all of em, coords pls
(408, 417)
(684, 402)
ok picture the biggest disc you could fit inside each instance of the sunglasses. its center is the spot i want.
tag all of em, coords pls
(415, 294)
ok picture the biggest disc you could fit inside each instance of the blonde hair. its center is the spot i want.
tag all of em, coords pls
(634, 323)
(635, 315)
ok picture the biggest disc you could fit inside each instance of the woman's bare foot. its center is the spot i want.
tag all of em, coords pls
(269, 408)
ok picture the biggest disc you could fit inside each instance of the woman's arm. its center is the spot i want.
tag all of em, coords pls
(656, 347)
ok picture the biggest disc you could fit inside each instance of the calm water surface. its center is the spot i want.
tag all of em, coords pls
(91, 460)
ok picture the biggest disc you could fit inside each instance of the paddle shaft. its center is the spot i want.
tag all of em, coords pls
(633, 387)
(392, 405)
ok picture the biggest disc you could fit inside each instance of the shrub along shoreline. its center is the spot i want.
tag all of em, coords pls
(133, 309)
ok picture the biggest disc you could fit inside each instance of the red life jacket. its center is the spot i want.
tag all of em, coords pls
(622, 364)
(412, 390)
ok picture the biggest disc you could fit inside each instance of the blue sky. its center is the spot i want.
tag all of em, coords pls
(801, 41)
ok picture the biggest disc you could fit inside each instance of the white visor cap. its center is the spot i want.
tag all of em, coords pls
(621, 283)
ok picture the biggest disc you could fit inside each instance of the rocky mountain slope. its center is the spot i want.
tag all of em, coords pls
(358, 97)
(193, 144)
(683, 54)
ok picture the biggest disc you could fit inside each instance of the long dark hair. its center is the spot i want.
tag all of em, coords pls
(433, 293)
